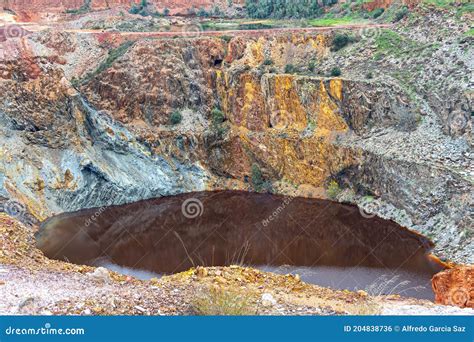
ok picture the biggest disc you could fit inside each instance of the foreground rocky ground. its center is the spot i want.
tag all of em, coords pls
(33, 284)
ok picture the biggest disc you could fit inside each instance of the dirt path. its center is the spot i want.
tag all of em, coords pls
(194, 30)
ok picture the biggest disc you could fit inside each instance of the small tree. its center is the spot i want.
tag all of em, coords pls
(218, 116)
(377, 12)
(202, 12)
(335, 72)
(134, 9)
(290, 69)
(340, 41)
(257, 178)
(166, 12)
(401, 13)
(176, 118)
(268, 61)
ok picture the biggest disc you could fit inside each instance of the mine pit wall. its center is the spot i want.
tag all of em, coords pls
(32, 8)
(109, 143)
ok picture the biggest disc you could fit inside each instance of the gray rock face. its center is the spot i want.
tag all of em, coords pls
(105, 165)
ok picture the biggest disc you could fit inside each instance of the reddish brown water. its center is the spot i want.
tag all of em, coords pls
(167, 235)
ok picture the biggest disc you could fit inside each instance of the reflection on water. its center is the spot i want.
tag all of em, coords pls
(172, 234)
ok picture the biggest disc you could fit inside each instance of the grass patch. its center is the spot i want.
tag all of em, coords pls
(333, 190)
(470, 33)
(440, 3)
(322, 22)
(113, 55)
(393, 43)
(219, 302)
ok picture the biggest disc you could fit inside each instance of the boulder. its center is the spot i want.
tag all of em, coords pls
(455, 286)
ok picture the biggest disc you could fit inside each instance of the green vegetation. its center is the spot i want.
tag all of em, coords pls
(470, 33)
(323, 22)
(312, 66)
(401, 13)
(222, 302)
(390, 42)
(286, 9)
(140, 9)
(333, 190)
(86, 7)
(143, 10)
(202, 13)
(291, 69)
(113, 55)
(176, 117)
(268, 61)
(257, 180)
(441, 3)
(341, 40)
(336, 72)
(377, 12)
(218, 117)
(218, 122)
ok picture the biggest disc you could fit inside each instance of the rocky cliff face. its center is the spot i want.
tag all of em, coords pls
(57, 6)
(85, 122)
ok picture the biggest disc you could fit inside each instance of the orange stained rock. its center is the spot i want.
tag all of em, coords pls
(455, 286)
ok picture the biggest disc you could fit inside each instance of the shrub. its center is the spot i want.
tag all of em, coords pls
(401, 13)
(333, 190)
(176, 117)
(202, 12)
(166, 12)
(290, 69)
(369, 75)
(220, 302)
(257, 179)
(377, 12)
(218, 116)
(312, 66)
(335, 72)
(340, 41)
(268, 61)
